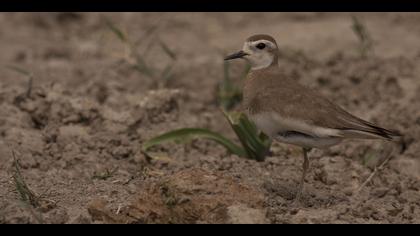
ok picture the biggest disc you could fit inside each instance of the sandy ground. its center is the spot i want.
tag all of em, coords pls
(78, 134)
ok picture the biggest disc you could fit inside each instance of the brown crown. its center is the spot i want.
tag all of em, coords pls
(261, 37)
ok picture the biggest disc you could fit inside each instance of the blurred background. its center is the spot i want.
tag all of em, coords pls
(81, 92)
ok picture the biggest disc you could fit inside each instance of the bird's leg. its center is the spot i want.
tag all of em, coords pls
(305, 167)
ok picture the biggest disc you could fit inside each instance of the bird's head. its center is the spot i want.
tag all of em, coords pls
(259, 50)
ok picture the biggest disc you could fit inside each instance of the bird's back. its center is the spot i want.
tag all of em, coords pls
(269, 90)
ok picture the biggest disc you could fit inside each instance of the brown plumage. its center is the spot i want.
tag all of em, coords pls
(257, 37)
(293, 113)
(268, 90)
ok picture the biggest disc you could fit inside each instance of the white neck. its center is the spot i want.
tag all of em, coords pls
(260, 61)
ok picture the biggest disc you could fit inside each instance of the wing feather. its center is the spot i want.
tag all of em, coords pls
(268, 93)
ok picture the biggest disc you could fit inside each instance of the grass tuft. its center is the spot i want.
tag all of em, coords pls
(25, 193)
(117, 31)
(229, 94)
(139, 61)
(365, 40)
(254, 145)
(26, 73)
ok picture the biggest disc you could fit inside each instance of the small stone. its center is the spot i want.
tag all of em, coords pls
(380, 192)
(139, 158)
(121, 152)
(99, 212)
(241, 214)
(348, 191)
(81, 219)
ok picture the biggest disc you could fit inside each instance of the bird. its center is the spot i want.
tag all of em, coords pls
(292, 113)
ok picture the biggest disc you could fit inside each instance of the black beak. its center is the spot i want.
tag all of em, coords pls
(236, 55)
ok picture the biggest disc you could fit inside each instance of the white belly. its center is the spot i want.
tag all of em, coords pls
(312, 137)
(308, 142)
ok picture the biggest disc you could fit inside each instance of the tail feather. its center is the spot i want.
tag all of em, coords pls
(355, 126)
(386, 133)
(372, 131)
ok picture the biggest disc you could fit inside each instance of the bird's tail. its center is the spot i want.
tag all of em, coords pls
(370, 131)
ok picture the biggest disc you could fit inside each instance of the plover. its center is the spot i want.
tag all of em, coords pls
(292, 113)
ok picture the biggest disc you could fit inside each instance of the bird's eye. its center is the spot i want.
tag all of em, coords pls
(261, 46)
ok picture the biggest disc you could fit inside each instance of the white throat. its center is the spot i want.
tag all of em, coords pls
(260, 61)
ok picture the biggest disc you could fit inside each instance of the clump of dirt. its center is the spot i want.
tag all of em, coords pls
(77, 129)
(189, 196)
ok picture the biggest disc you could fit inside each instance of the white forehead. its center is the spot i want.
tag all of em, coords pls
(266, 42)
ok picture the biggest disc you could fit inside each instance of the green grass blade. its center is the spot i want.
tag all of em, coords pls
(167, 72)
(25, 193)
(362, 33)
(19, 70)
(259, 143)
(142, 67)
(256, 144)
(25, 73)
(190, 133)
(246, 71)
(228, 95)
(150, 32)
(116, 30)
(167, 50)
(226, 70)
